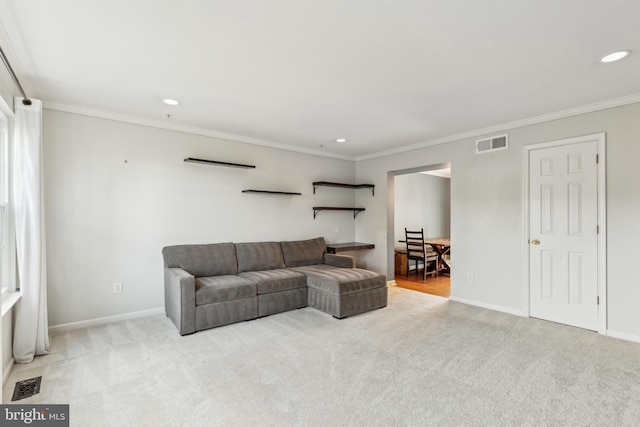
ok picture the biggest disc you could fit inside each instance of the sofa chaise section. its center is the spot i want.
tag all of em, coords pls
(334, 285)
(343, 292)
(203, 289)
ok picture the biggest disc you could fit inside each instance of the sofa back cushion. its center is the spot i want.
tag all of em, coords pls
(304, 252)
(258, 256)
(217, 259)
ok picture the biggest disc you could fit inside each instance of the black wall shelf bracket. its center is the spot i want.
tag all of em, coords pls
(317, 209)
(340, 185)
(217, 163)
(286, 193)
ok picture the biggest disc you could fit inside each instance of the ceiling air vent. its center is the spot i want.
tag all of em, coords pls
(500, 142)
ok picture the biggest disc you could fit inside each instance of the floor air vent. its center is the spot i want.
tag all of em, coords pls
(26, 388)
(500, 142)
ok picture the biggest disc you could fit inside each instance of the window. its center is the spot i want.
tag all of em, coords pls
(5, 240)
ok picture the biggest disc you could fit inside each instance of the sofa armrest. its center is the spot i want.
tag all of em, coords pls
(180, 299)
(344, 261)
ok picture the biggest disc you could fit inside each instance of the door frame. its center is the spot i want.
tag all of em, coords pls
(600, 139)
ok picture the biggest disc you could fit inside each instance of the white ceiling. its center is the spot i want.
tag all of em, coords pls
(382, 73)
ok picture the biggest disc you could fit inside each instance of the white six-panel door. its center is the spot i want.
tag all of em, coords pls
(563, 240)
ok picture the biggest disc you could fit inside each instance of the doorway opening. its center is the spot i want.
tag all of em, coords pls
(420, 199)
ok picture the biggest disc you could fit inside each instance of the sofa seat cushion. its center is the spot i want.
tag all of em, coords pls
(341, 281)
(223, 288)
(276, 280)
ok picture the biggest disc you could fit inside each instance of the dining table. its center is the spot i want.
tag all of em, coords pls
(442, 246)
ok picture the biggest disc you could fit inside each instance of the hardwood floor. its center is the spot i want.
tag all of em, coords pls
(439, 286)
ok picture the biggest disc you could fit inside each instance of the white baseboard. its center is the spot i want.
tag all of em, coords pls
(103, 320)
(623, 335)
(7, 372)
(391, 283)
(489, 306)
(613, 334)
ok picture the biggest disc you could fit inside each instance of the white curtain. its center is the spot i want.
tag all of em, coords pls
(31, 336)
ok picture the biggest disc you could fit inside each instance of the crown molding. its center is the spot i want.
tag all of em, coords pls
(126, 118)
(109, 115)
(589, 108)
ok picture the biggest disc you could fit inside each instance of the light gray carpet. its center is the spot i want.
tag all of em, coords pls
(421, 361)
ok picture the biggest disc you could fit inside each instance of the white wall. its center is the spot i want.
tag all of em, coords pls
(486, 211)
(116, 193)
(7, 343)
(422, 201)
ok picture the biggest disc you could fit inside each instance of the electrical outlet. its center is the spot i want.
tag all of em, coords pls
(469, 277)
(337, 229)
(117, 288)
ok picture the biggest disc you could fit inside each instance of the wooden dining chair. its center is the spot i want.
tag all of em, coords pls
(416, 251)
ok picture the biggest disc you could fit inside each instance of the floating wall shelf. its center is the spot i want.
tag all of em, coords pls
(333, 248)
(337, 184)
(217, 163)
(317, 209)
(286, 193)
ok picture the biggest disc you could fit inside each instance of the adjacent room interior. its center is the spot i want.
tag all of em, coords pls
(422, 201)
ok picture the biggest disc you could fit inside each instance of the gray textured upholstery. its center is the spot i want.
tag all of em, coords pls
(277, 302)
(343, 261)
(341, 281)
(276, 280)
(258, 256)
(216, 259)
(213, 285)
(343, 292)
(278, 290)
(341, 306)
(304, 252)
(224, 313)
(180, 299)
(223, 288)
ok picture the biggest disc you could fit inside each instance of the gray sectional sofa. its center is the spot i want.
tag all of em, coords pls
(216, 284)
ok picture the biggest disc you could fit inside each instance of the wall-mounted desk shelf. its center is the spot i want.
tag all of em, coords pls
(317, 209)
(217, 163)
(337, 184)
(333, 248)
(286, 193)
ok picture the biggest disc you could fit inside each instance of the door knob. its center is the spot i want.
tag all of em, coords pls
(535, 242)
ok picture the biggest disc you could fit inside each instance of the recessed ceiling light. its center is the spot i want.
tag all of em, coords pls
(170, 101)
(341, 140)
(615, 56)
